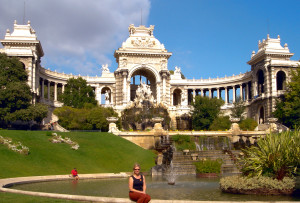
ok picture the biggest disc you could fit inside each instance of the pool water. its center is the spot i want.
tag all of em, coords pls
(185, 188)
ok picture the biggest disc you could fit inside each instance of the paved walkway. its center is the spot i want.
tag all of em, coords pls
(6, 183)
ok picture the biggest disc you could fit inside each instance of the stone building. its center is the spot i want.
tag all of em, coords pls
(143, 56)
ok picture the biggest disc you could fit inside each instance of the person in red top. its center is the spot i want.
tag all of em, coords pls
(75, 174)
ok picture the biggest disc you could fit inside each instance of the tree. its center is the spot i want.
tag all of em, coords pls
(87, 118)
(238, 108)
(77, 93)
(220, 123)
(205, 111)
(15, 94)
(288, 106)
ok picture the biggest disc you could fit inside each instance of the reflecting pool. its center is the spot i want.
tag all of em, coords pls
(186, 188)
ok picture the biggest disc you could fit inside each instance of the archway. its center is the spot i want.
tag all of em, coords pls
(281, 80)
(106, 96)
(145, 76)
(260, 82)
(177, 97)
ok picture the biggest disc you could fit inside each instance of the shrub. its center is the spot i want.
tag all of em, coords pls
(248, 124)
(183, 142)
(246, 183)
(276, 155)
(208, 166)
(89, 118)
(220, 123)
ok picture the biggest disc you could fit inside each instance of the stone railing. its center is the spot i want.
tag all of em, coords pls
(222, 79)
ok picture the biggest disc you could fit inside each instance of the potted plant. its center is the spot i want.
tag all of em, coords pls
(208, 168)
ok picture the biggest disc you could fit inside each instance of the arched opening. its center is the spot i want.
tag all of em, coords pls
(281, 80)
(260, 82)
(177, 97)
(261, 117)
(106, 96)
(24, 67)
(142, 76)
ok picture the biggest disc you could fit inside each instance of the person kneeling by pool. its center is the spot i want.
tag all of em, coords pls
(75, 174)
(137, 186)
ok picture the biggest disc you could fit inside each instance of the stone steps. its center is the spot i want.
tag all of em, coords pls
(183, 162)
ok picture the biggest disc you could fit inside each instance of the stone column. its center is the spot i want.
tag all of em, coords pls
(194, 95)
(48, 89)
(43, 88)
(158, 92)
(218, 93)
(128, 91)
(255, 88)
(226, 95)
(164, 86)
(124, 74)
(55, 91)
(241, 92)
(33, 76)
(209, 93)
(233, 94)
(111, 98)
(201, 92)
(247, 92)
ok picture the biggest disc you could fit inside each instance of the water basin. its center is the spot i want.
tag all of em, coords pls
(185, 188)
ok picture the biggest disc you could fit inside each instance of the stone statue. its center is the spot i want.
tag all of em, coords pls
(107, 96)
(143, 92)
(105, 68)
(183, 96)
(177, 70)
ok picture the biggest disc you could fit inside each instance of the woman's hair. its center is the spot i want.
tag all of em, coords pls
(136, 165)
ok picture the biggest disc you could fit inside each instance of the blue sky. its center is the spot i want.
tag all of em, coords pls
(207, 38)
(216, 38)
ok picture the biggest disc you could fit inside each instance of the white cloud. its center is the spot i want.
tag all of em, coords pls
(77, 35)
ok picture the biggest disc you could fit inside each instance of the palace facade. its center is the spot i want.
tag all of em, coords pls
(143, 56)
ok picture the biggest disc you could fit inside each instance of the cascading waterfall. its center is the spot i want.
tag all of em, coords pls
(213, 143)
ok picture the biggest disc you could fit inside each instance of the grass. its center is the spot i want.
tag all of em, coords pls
(13, 198)
(98, 153)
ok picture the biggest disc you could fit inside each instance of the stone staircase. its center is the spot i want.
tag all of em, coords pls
(183, 162)
(51, 122)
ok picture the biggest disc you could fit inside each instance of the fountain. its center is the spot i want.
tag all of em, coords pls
(171, 174)
(139, 114)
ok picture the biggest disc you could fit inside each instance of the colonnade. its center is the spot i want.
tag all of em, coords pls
(49, 84)
(245, 89)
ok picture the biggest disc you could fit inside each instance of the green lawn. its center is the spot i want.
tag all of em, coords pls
(16, 198)
(98, 153)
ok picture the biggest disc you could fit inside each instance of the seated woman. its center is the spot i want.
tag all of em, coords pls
(74, 174)
(137, 186)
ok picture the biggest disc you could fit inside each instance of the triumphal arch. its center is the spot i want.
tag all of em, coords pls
(143, 70)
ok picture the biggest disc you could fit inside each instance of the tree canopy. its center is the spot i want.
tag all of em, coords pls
(77, 93)
(288, 107)
(238, 108)
(15, 94)
(87, 118)
(205, 111)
